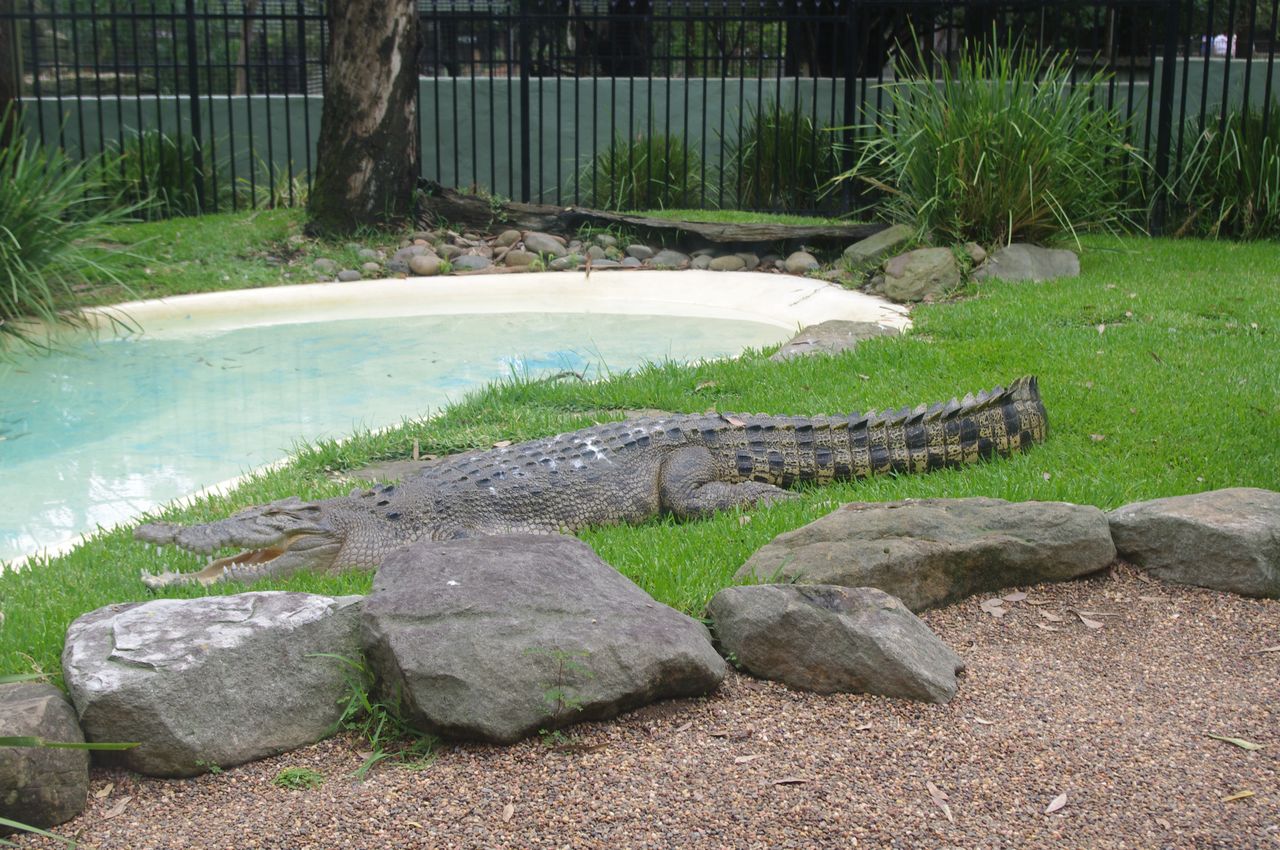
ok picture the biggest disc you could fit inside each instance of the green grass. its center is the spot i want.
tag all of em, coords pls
(739, 217)
(1176, 394)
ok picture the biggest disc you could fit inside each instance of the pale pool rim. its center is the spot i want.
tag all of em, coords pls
(783, 301)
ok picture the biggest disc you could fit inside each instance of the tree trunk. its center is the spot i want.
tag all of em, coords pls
(248, 28)
(367, 153)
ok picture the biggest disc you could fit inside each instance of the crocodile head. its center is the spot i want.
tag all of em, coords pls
(278, 539)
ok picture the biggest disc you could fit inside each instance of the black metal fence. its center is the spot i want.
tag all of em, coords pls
(697, 103)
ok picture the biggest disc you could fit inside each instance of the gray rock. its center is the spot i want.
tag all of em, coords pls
(425, 235)
(1020, 261)
(471, 263)
(40, 786)
(605, 264)
(595, 252)
(369, 254)
(494, 638)
(640, 252)
(701, 262)
(728, 263)
(397, 267)
(405, 253)
(1223, 539)
(348, 275)
(569, 261)
(870, 251)
(448, 251)
(834, 640)
(749, 261)
(924, 273)
(605, 240)
(613, 253)
(543, 243)
(517, 257)
(976, 253)
(935, 551)
(703, 252)
(425, 264)
(507, 238)
(371, 267)
(215, 681)
(800, 262)
(830, 337)
(669, 259)
(325, 265)
(631, 263)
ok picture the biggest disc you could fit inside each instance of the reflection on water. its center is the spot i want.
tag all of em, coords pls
(99, 435)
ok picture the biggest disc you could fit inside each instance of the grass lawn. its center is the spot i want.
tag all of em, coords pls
(1158, 368)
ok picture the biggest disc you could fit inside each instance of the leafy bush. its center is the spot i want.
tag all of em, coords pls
(51, 213)
(782, 161)
(156, 172)
(656, 171)
(1229, 181)
(1003, 148)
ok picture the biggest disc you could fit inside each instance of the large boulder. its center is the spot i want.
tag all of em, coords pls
(40, 786)
(1021, 261)
(211, 682)
(869, 252)
(922, 274)
(495, 638)
(1223, 539)
(935, 551)
(834, 640)
(830, 337)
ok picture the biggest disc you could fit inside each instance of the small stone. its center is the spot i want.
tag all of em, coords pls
(40, 786)
(507, 238)
(325, 265)
(800, 262)
(606, 240)
(669, 259)
(424, 235)
(701, 262)
(517, 257)
(703, 252)
(397, 267)
(424, 264)
(977, 254)
(570, 261)
(369, 254)
(544, 243)
(448, 252)
(595, 252)
(613, 253)
(605, 264)
(371, 267)
(750, 261)
(348, 275)
(729, 263)
(470, 263)
(631, 263)
(870, 251)
(408, 251)
(640, 252)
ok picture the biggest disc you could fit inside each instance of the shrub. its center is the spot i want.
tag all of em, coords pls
(156, 172)
(1003, 148)
(1229, 181)
(51, 213)
(782, 161)
(656, 171)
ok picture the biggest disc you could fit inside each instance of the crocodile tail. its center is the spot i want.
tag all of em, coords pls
(1001, 422)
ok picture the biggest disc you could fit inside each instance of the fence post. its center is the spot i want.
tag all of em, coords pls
(852, 61)
(525, 30)
(1164, 116)
(193, 86)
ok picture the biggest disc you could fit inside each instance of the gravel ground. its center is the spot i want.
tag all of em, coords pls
(1114, 714)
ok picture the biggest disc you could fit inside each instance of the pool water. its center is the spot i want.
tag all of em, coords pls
(96, 436)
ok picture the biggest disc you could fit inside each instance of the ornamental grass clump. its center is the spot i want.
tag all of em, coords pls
(1004, 148)
(650, 171)
(51, 217)
(1229, 182)
(783, 161)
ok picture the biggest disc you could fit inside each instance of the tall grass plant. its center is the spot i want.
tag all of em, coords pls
(648, 171)
(783, 161)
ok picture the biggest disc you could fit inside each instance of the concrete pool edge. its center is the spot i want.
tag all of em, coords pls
(783, 301)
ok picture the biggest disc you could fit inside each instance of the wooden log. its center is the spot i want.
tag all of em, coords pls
(484, 213)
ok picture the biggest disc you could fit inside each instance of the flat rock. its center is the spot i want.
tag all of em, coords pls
(832, 639)
(830, 337)
(640, 252)
(349, 275)
(1021, 261)
(728, 263)
(449, 251)
(40, 786)
(470, 263)
(569, 261)
(325, 266)
(495, 638)
(870, 251)
(544, 243)
(507, 238)
(924, 273)
(750, 261)
(932, 552)
(425, 264)
(800, 262)
(517, 257)
(211, 682)
(702, 262)
(669, 259)
(1223, 539)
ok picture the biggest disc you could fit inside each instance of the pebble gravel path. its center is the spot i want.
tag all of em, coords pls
(1083, 721)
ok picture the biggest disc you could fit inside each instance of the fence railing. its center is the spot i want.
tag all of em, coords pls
(697, 103)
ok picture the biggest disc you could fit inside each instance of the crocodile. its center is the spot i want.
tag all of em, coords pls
(618, 472)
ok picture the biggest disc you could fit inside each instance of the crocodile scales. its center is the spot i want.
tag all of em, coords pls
(629, 471)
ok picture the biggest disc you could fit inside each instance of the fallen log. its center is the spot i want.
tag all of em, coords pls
(486, 214)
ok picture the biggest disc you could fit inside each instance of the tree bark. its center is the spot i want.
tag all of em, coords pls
(367, 153)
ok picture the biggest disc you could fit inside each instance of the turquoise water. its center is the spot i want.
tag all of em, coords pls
(100, 434)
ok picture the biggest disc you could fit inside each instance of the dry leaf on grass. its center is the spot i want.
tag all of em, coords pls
(1239, 742)
(983, 721)
(1275, 648)
(744, 519)
(1239, 795)
(1044, 628)
(940, 799)
(1055, 804)
(1051, 617)
(1088, 623)
(745, 759)
(1164, 823)
(507, 811)
(1017, 596)
(502, 444)
(117, 809)
(993, 607)
(1097, 438)
(787, 780)
(703, 385)
(735, 421)
(105, 790)
(683, 727)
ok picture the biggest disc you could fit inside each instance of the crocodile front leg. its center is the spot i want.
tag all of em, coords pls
(689, 488)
